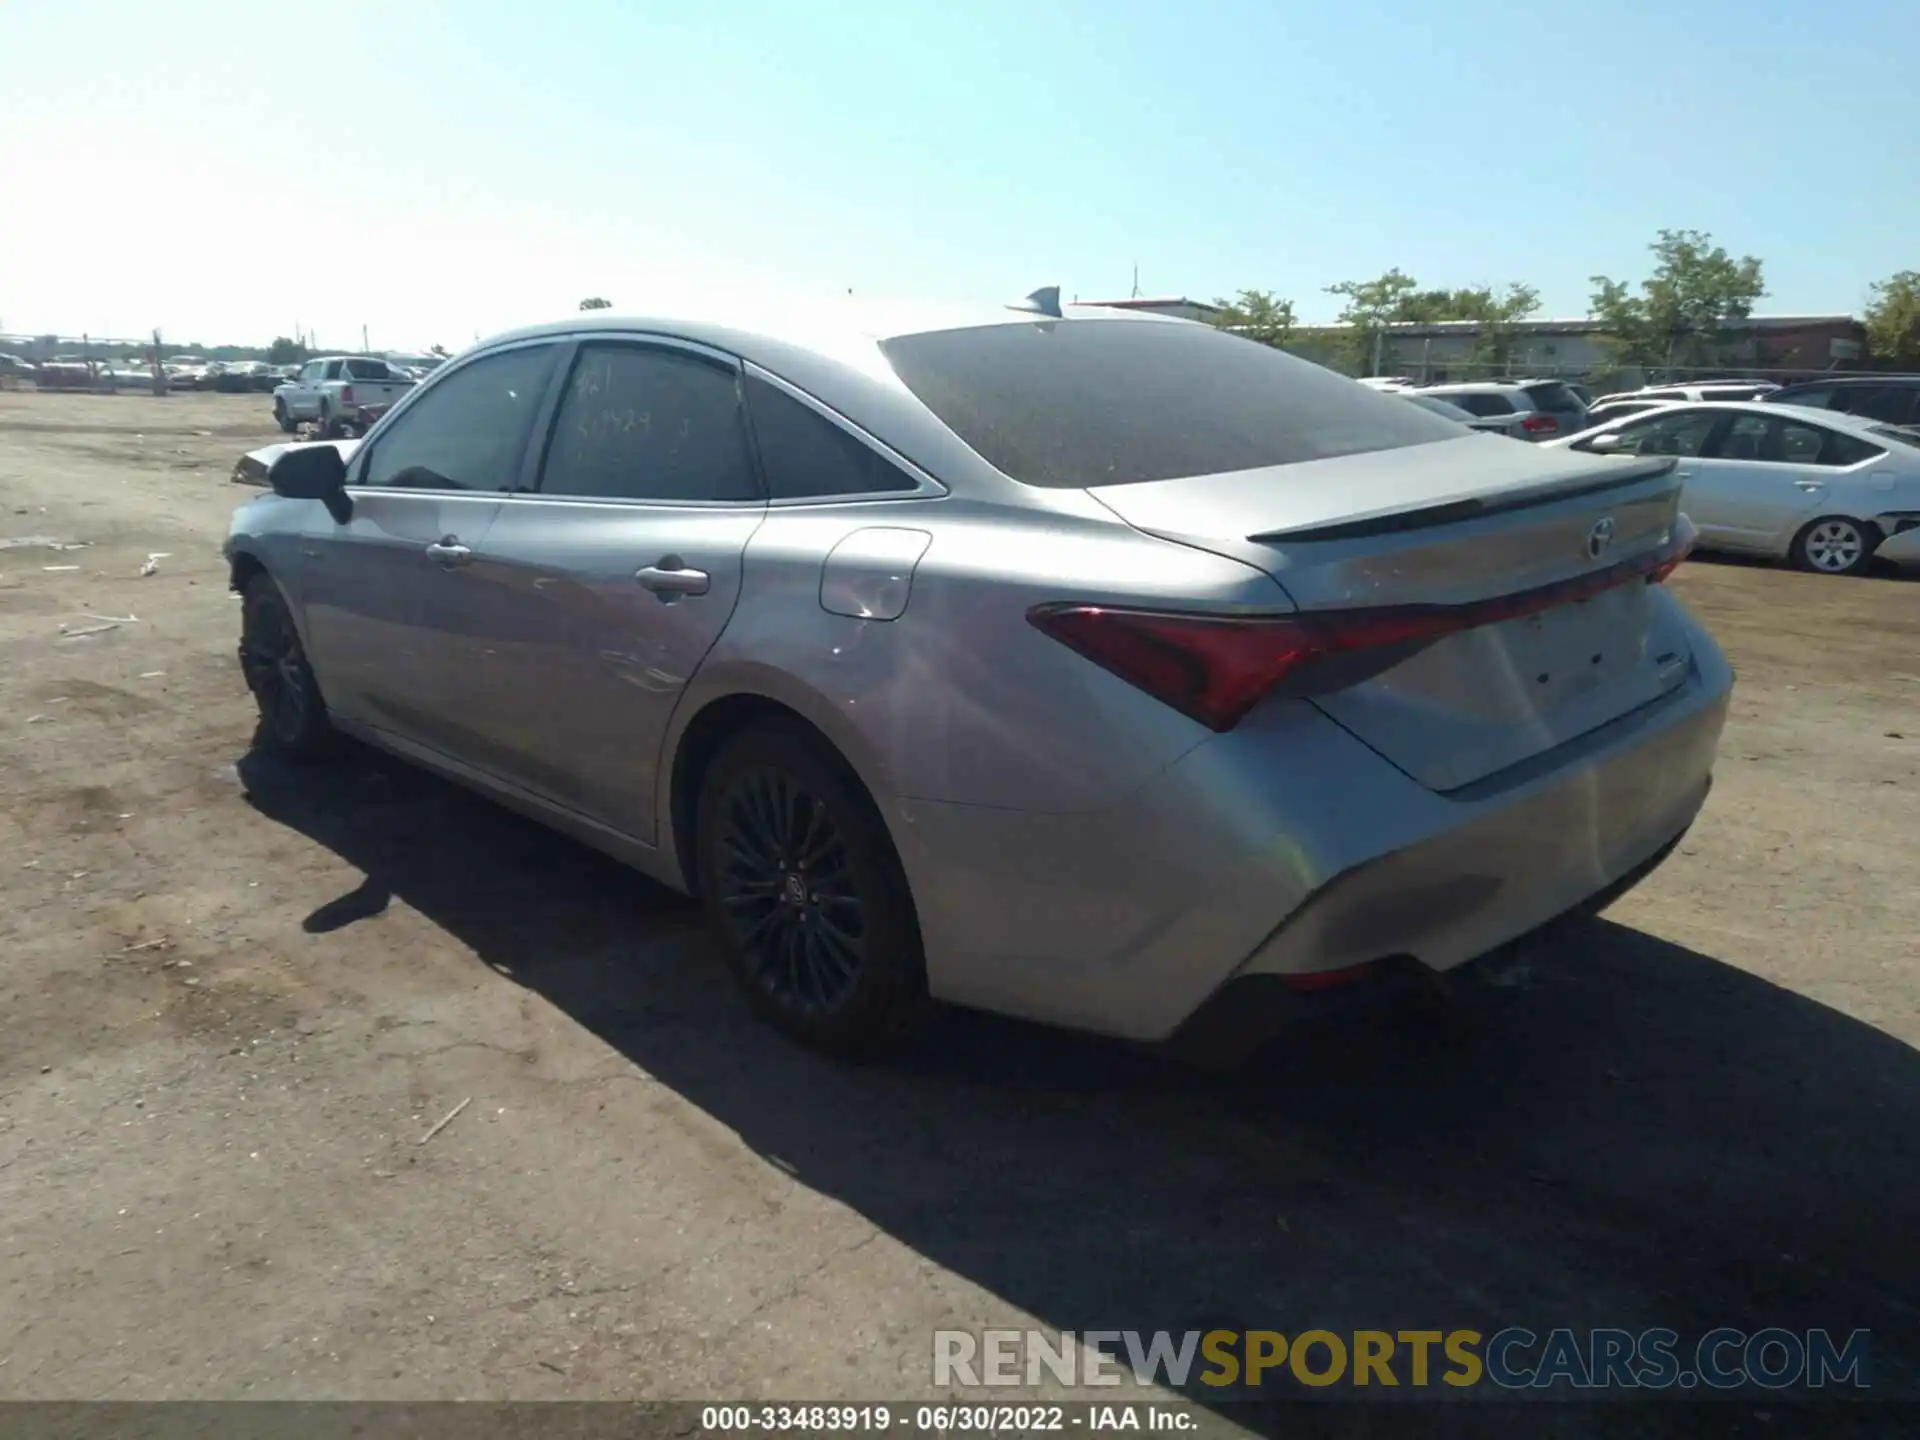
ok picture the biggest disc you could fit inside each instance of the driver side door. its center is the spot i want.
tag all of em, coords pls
(389, 603)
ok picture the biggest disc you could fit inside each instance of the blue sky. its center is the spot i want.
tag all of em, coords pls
(225, 170)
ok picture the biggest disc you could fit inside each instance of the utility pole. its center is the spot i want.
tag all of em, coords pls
(1136, 280)
(364, 350)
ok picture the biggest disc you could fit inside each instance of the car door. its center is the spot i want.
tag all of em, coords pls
(1682, 431)
(1772, 475)
(388, 605)
(304, 401)
(609, 585)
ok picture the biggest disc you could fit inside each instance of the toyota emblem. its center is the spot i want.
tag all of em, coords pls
(1599, 538)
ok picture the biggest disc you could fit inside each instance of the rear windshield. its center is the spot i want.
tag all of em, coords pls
(1554, 396)
(1484, 404)
(368, 370)
(1114, 402)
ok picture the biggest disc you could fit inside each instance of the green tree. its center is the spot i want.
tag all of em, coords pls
(286, 351)
(1258, 315)
(1679, 315)
(1497, 313)
(1893, 320)
(594, 302)
(1371, 306)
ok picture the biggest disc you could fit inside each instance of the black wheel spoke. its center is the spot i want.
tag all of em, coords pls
(786, 890)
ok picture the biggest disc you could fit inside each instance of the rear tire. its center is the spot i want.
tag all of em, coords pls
(1835, 545)
(281, 418)
(293, 714)
(807, 895)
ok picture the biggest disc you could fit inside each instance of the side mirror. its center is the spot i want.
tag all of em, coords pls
(313, 472)
(1610, 441)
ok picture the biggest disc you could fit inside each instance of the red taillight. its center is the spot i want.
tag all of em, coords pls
(1538, 424)
(1329, 979)
(346, 394)
(1215, 668)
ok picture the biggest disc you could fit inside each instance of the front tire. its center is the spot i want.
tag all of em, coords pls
(807, 894)
(293, 715)
(1835, 545)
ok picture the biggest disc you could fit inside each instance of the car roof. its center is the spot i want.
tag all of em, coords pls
(1854, 381)
(1832, 419)
(849, 331)
(1473, 387)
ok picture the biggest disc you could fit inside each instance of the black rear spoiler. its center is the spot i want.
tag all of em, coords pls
(1450, 511)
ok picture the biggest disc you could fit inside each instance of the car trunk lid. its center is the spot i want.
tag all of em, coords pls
(1462, 523)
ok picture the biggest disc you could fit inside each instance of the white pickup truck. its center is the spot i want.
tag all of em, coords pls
(335, 390)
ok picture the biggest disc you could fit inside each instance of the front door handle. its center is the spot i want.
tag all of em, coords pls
(1683, 474)
(449, 552)
(1810, 485)
(670, 578)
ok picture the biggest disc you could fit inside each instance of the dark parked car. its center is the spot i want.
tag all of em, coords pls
(1890, 399)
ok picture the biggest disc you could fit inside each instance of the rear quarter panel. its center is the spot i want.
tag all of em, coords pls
(960, 699)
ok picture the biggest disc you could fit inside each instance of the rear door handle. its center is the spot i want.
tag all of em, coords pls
(670, 578)
(1810, 485)
(449, 552)
(1683, 474)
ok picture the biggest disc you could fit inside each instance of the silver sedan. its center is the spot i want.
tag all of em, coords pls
(1102, 669)
(1827, 491)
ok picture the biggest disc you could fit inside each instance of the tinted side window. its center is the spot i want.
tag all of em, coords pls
(805, 454)
(330, 371)
(1683, 434)
(649, 424)
(1745, 438)
(368, 370)
(1844, 449)
(1891, 403)
(468, 431)
(1820, 397)
(1484, 404)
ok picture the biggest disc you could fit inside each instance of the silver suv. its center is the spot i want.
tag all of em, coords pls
(1526, 416)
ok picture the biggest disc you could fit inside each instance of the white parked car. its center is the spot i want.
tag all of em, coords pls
(1705, 390)
(1824, 490)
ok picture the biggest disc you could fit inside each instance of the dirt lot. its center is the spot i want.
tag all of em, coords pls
(234, 999)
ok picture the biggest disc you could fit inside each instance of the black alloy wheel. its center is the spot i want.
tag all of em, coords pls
(293, 716)
(787, 890)
(807, 894)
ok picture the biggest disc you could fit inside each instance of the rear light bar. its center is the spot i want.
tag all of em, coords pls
(1215, 668)
(346, 394)
(1539, 424)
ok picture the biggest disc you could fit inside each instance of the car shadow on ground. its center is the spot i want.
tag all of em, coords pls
(1622, 1132)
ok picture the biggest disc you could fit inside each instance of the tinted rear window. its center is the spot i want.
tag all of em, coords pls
(1554, 396)
(1484, 404)
(1112, 402)
(368, 370)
